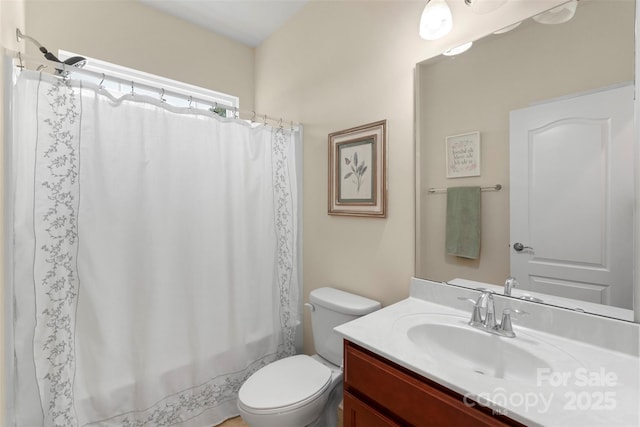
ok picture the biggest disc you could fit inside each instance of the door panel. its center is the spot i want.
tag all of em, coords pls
(583, 291)
(572, 196)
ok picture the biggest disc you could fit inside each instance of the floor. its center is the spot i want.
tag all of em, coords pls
(237, 421)
(234, 422)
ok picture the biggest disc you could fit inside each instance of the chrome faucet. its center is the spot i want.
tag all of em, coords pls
(485, 301)
(484, 316)
(509, 284)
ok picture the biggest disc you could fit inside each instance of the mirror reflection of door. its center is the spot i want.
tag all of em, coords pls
(572, 195)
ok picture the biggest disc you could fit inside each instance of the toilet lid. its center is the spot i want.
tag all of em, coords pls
(285, 383)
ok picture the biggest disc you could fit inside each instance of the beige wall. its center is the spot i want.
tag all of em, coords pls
(340, 64)
(132, 34)
(337, 65)
(533, 63)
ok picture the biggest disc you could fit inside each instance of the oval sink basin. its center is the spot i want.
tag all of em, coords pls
(477, 351)
(450, 342)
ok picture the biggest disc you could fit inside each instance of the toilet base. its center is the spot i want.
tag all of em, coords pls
(329, 417)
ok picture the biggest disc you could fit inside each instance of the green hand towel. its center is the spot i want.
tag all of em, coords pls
(463, 222)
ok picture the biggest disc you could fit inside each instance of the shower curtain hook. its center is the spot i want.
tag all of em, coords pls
(265, 119)
(162, 95)
(280, 123)
(101, 81)
(236, 115)
(132, 93)
(190, 100)
(291, 124)
(253, 117)
(21, 66)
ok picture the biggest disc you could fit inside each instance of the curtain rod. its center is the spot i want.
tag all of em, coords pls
(496, 187)
(67, 69)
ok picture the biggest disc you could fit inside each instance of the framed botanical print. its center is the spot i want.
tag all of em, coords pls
(357, 171)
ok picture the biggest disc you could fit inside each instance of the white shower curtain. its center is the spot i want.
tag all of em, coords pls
(155, 257)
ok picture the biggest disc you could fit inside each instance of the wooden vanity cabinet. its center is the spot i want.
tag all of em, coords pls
(380, 393)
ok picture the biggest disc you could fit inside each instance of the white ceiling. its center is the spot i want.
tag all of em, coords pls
(248, 21)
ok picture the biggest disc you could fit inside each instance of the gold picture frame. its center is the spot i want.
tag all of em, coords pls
(357, 171)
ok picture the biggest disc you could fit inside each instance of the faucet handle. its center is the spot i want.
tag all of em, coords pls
(476, 318)
(505, 327)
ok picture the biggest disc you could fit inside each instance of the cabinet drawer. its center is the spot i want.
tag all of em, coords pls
(409, 397)
(359, 414)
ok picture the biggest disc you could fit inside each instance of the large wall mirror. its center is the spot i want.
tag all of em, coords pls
(526, 72)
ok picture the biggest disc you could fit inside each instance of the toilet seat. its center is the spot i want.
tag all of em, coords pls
(286, 384)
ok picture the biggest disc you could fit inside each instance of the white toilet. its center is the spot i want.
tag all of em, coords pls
(304, 391)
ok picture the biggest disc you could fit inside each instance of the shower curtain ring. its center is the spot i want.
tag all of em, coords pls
(280, 123)
(253, 116)
(190, 100)
(162, 95)
(132, 94)
(265, 119)
(101, 81)
(21, 66)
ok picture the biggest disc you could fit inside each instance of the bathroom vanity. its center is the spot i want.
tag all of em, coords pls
(419, 363)
(380, 393)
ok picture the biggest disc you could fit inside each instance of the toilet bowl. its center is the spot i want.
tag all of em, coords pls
(301, 390)
(291, 392)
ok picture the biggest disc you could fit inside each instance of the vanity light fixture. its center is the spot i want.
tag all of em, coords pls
(436, 20)
(458, 50)
(484, 6)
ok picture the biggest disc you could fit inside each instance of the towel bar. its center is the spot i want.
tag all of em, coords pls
(496, 187)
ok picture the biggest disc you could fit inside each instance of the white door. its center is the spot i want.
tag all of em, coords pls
(572, 197)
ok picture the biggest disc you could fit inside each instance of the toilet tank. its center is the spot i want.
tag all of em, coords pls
(330, 308)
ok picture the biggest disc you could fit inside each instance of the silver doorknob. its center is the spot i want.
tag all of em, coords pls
(519, 247)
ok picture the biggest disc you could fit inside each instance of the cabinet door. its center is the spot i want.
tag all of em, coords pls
(359, 414)
(409, 397)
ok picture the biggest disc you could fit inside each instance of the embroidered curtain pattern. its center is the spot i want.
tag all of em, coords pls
(157, 250)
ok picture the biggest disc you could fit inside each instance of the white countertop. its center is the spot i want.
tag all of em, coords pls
(599, 389)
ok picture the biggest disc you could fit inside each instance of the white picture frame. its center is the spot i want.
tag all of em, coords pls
(463, 155)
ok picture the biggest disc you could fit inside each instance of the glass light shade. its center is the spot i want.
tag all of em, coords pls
(558, 15)
(458, 50)
(507, 29)
(436, 20)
